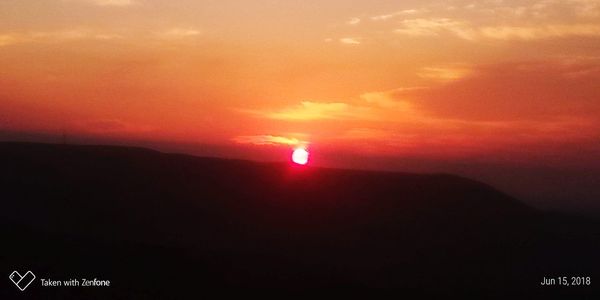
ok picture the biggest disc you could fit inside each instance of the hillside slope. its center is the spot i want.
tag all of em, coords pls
(161, 224)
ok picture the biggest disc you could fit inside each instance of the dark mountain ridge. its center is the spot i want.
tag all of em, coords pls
(159, 224)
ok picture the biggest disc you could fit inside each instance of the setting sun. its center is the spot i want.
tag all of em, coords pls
(300, 156)
(426, 145)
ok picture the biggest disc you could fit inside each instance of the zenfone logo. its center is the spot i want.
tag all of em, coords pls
(22, 281)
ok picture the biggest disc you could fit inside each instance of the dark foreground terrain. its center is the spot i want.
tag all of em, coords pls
(165, 225)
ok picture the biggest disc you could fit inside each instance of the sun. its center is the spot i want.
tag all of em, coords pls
(300, 156)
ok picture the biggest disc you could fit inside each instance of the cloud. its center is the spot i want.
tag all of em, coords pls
(269, 140)
(180, 33)
(496, 109)
(56, 36)
(385, 100)
(386, 17)
(497, 20)
(524, 91)
(548, 101)
(539, 32)
(586, 8)
(309, 110)
(107, 36)
(465, 138)
(353, 21)
(371, 106)
(8, 39)
(435, 26)
(114, 2)
(84, 33)
(349, 41)
(444, 73)
(75, 34)
(71, 34)
(461, 29)
(117, 3)
(540, 9)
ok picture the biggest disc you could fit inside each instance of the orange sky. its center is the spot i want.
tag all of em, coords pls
(494, 79)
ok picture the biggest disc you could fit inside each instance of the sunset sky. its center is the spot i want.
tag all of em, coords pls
(445, 80)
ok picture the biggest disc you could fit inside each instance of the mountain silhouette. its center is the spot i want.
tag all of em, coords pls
(165, 225)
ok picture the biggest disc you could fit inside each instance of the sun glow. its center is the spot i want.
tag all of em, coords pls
(300, 156)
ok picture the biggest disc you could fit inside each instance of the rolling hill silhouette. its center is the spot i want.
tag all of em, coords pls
(162, 225)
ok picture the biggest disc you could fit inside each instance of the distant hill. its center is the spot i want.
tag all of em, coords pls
(161, 225)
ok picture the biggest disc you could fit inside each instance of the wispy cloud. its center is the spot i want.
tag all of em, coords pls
(539, 32)
(370, 106)
(444, 73)
(400, 13)
(350, 41)
(75, 34)
(538, 9)
(179, 32)
(386, 101)
(310, 110)
(56, 36)
(523, 91)
(269, 140)
(353, 21)
(114, 2)
(495, 107)
(71, 34)
(117, 3)
(8, 39)
(467, 31)
(434, 27)
(494, 20)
